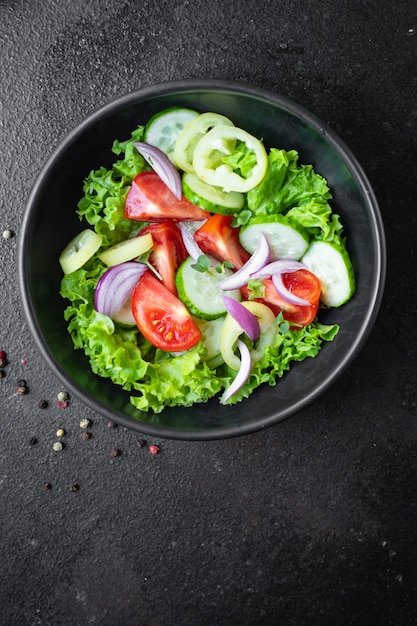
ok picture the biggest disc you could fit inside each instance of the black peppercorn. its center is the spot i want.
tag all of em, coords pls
(74, 488)
(42, 404)
(141, 443)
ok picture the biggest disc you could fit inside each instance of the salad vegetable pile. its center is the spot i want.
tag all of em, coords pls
(203, 264)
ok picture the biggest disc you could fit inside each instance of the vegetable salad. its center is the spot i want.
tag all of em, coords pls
(203, 264)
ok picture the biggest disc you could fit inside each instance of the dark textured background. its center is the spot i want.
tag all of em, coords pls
(310, 522)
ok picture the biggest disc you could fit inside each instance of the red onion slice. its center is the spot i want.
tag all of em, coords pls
(161, 164)
(283, 266)
(285, 293)
(245, 318)
(243, 373)
(253, 264)
(116, 285)
(190, 243)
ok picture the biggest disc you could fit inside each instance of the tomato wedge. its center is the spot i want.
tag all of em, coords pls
(301, 283)
(150, 200)
(168, 251)
(161, 317)
(218, 238)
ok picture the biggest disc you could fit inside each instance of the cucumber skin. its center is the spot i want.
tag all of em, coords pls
(166, 143)
(330, 297)
(201, 202)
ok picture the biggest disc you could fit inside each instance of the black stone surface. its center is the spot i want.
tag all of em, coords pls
(310, 522)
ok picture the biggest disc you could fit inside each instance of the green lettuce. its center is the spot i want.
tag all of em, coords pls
(156, 379)
(242, 160)
(105, 191)
(123, 355)
(286, 184)
(289, 347)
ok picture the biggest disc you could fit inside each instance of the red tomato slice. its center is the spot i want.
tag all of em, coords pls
(168, 251)
(218, 238)
(161, 317)
(301, 283)
(150, 200)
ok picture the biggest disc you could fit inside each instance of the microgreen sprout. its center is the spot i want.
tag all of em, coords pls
(282, 323)
(202, 264)
(242, 218)
(220, 269)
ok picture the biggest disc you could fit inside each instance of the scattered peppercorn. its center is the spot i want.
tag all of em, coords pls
(74, 488)
(62, 396)
(21, 382)
(57, 446)
(2, 373)
(7, 234)
(111, 424)
(47, 486)
(3, 363)
(141, 443)
(154, 449)
(63, 405)
(22, 390)
(85, 423)
(115, 453)
(33, 441)
(3, 355)
(86, 436)
(60, 432)
(42, 404)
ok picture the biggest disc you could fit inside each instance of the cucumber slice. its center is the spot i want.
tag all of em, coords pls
(332, 266)
(211, 331)
(209, 198)
(287, 239)
(79, 250)
(231, 331)
(200, 291)
(164, 127)
(124, 318)
(126, 250)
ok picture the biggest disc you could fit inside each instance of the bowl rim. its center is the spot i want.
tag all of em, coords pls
(189, 85)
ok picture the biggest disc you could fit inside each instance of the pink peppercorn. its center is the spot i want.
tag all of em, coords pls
(154, 449)
(2, 355)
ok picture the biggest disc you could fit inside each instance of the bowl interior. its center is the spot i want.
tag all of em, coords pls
(50, 222)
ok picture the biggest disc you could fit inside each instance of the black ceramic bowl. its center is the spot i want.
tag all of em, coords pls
(50, 221)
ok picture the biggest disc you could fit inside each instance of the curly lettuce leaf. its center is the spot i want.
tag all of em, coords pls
(242, 160)
(286, 184)
(127, 358)
(319, 220)
(178, 381)
(293, 346)
(105, 192)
